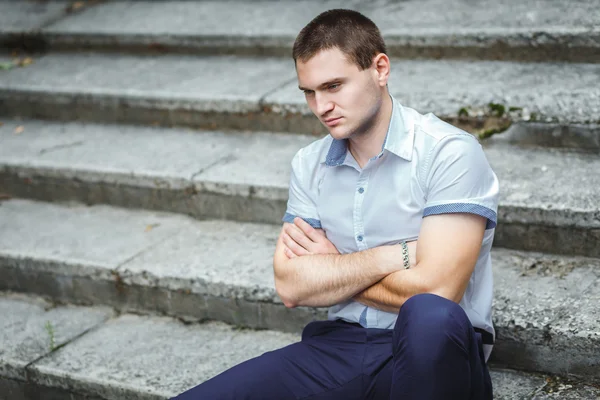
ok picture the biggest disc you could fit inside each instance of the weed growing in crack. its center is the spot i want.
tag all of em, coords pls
(51, 335)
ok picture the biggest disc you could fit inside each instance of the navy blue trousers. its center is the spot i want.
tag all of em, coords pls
(433, 352)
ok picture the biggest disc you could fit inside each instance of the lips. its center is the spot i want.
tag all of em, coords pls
(332, 121)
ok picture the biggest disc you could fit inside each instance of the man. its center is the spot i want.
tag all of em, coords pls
(385, 175)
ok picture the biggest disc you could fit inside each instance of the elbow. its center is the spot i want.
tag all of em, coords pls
(289, 304)
(447, 293)
(287, 300)
(440, 287)
(285, 287)
(286, 296)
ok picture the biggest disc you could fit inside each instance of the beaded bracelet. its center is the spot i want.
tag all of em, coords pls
(405, 257)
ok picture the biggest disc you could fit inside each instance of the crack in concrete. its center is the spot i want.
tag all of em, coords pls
(142, 251)
(262, 100)
(94, 327)
(61, 146)
(221, 161)
(68, 12)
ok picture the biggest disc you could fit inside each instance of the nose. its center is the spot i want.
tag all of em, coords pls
(323, 104)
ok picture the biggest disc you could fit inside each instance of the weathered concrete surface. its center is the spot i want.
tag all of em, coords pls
(165, 90)
(25, 334)
(244, 177)
(216, 270)
(262, 94)
(26, 16)
(534, 134)
(512, 385)
(561, 388)
(100, 236)
(146, 262)
(255, 166)
(214, 83)
(516, 385)
(545, 309)
(209, 18)
(241, 176)
(74, 252)
(11, 389)
(538, 189)
(545, 306)
(122, 155)
(18, 390)
(231, 260)
(506, 29)
(547, 92)
(138, 357)
(177, 357)
(569, 392)
(151, 358)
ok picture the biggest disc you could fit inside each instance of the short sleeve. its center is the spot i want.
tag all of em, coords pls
(301, 201)
(459, 179)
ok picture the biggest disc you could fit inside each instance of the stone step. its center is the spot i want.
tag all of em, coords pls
(244, 177)
(546, 103)
(101, 356)
(497, 30)
(545, 309)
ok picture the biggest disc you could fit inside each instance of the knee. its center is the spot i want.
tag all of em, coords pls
(427, 319)
(432, 310)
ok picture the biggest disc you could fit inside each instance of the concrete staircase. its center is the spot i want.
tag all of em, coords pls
(144, 164)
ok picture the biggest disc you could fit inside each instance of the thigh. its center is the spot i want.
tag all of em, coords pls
(259, 378)
(326, 364)
(437, 353)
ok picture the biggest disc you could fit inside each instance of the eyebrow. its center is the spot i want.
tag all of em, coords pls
(325, 84)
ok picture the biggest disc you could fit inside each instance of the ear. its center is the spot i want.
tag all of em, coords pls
(381, 66)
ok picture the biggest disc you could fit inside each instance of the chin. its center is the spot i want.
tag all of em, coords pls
(339, 133)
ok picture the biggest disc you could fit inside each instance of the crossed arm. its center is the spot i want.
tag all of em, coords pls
(309, 271)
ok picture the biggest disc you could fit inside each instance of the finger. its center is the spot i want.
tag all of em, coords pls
(299, 237)
(307, 229)
(293, 246)
(289, 253)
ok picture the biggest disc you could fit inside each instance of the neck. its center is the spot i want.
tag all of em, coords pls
(368, 145)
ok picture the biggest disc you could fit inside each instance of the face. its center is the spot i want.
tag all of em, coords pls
(345, 99)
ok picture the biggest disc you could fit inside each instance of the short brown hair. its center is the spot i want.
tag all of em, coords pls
(354, 34)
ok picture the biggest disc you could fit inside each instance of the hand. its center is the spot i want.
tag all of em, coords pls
(301, 239)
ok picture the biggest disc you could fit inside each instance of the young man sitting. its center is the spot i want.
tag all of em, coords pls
(408, 318)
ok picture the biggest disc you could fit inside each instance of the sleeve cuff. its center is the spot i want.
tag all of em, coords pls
(465, 208)
(315, 223)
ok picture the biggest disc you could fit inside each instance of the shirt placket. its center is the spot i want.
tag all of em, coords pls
(360, 192)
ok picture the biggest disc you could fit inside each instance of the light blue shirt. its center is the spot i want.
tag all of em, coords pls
(426, 167)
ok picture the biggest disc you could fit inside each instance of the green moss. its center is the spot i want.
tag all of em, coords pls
(511, 109)
(490, 132)
(497, 109)
(463, 112)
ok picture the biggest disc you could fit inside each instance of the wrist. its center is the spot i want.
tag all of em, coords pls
(405, 255)
(390, 259)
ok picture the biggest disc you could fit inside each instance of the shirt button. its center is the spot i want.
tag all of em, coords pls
(361, 190)
(359, 238)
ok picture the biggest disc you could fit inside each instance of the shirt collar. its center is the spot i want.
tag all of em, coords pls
(399, 139)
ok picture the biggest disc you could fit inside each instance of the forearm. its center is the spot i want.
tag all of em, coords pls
(326, 279)
(392, 291)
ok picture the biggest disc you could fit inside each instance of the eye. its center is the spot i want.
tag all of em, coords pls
(334, 86)
(308, 92)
